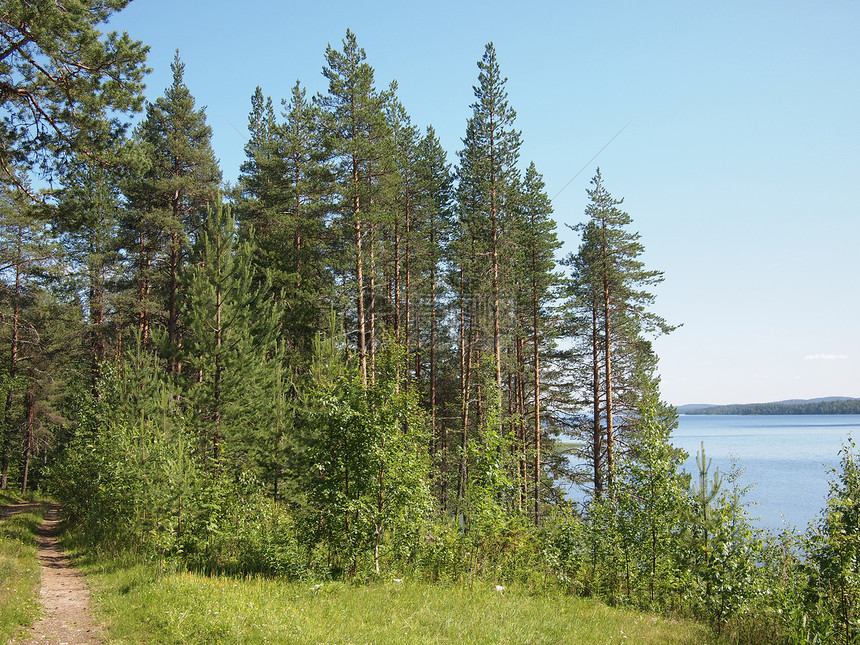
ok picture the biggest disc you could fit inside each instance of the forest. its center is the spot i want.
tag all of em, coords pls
(835, 406)
(368, 357)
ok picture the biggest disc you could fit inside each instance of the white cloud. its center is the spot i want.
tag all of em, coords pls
(825, 357)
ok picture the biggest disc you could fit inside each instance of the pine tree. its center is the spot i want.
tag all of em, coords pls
(27, 249)
(403, 220)
(538, 282)
(359, 138)
(89, 215)
(231, 348)
(487, 194)
(63, 83)
(284, 203)
(170, 198)
(487, 171)
(610, 282)
(261, 174)
(432, 230)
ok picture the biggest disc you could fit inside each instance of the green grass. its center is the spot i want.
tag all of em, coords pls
(142, 607)
(19, 569)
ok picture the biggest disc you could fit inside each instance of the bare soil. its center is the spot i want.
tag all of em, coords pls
(66, 616)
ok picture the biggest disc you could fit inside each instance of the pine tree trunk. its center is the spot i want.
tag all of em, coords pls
(359, 279)
(398, 331)
(297, 242)
(437, 431)
(610, 426)
(143, 291)
(409, 333)
(497, 340)
(216, 395)
(536, 384)
(13, 366)
(519, 391)
(597, 433)
(28, 442)
(371, 347)
(173, 288)
(465, 368)
(98, 346)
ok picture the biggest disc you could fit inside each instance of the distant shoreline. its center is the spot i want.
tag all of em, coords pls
(834, 405)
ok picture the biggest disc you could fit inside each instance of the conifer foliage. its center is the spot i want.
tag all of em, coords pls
(362, 361)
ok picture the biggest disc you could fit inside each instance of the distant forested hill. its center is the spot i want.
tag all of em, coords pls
(832, 405)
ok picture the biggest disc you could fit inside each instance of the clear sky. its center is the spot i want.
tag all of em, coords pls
(739, 162)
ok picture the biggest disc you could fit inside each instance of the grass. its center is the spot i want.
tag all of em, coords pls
(19, 568)
(141, 607)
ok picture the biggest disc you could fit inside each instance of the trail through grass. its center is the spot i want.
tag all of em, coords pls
(19, 566)
(140, 606)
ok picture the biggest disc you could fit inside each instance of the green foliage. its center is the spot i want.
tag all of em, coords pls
(65, 85)
(361, 449)
(283, 204)
(233, 388)
(229, 436)
(833, 553)
(652, 500)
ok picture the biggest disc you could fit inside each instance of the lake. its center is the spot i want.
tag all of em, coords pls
(787, 458)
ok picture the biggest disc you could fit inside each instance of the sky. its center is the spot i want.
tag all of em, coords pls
(731, 130)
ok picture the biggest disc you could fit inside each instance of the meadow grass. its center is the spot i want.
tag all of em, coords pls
(19, 568)
(140, 606)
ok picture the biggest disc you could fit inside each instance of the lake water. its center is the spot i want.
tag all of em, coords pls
(787, 458)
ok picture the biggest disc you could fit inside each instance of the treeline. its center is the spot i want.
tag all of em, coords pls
(359, 360)
(843, 406)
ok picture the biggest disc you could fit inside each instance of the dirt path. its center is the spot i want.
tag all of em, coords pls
(66, 616)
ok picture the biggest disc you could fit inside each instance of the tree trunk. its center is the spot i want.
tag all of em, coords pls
(536, 382)
(28, 442)
(398, 331)
(143, 291)
(437, 431)
(497, 341)
(519, 390)
(359, 274)
(465, 368)
(173, 268)
(607, 384)
(13, 365)
(371, 347)
(597, 432)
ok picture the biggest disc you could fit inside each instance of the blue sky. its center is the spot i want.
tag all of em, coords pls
(739, 162)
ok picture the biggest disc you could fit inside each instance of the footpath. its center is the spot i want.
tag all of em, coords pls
(64, 596)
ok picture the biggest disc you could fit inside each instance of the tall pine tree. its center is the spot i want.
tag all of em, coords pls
(169, 201)
(359, 138)
(610, 283)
